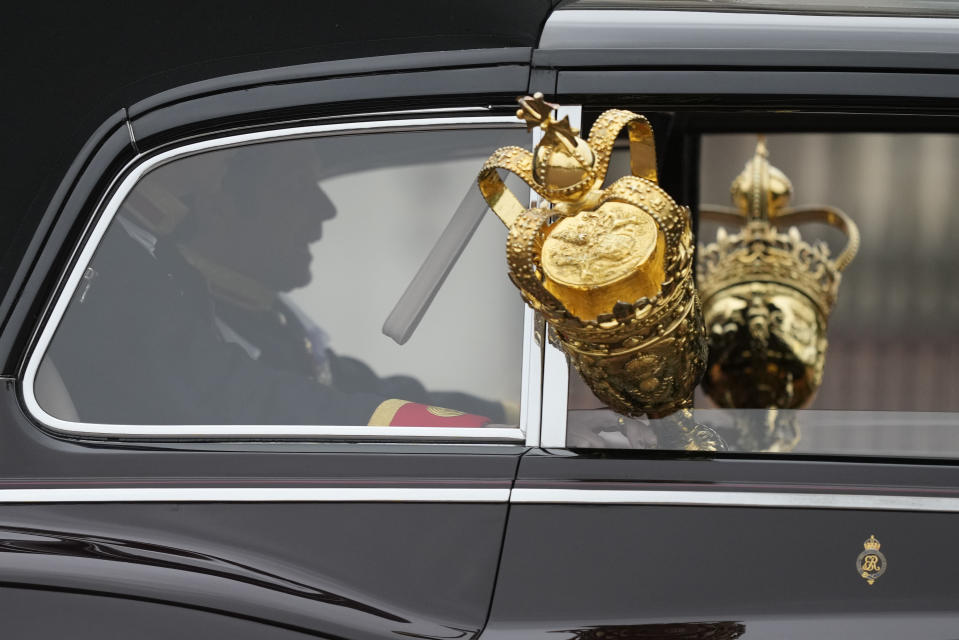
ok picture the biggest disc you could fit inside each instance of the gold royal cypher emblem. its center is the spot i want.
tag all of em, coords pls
(871, 563)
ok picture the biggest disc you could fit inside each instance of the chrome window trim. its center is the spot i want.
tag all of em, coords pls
(139, 167)
(555, 397)
(531, 402)
(873, 502)
(555, 366)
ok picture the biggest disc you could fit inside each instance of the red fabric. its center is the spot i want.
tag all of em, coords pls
(413, 414)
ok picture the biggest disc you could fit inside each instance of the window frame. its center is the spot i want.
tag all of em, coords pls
(526, 432)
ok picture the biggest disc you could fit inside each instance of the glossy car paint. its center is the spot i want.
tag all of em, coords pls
(84, 615)
(578, 568)
(343, 570)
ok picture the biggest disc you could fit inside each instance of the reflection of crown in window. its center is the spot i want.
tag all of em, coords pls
(767, 294)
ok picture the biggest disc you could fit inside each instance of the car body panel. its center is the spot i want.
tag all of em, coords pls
(781, 571)
(332, 569)
(582, 562)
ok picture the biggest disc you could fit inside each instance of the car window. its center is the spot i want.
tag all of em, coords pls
(249, 285)
(889, 342)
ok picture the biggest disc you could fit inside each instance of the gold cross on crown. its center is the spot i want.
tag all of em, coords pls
(536, 112)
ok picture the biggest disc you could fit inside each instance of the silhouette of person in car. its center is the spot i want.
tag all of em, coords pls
(182, 318)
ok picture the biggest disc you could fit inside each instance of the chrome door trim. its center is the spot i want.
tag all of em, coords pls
(132, 173)
(251, 494)
(555, 366)
(792, 500)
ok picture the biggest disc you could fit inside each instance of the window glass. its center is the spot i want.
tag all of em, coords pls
(249, 285)
(892, 348)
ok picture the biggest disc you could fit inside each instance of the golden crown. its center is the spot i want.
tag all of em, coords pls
(609, 268)
(761, 253)
(609, 304)
(871, 544)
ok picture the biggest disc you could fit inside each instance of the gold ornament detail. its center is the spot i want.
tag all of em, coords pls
(442, 412)
(871, 563)
(609, 269)
(767, 296)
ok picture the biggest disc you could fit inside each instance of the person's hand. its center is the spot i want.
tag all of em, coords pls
(606, 429)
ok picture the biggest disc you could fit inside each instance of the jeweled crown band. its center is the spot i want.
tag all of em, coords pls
(800, 215)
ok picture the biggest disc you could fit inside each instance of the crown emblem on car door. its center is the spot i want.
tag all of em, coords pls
(871, 563)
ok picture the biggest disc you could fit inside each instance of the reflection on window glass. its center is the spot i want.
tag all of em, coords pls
(892, 360)
(249, 286)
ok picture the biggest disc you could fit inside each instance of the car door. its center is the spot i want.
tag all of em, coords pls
(605, 540)
(114, 483)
